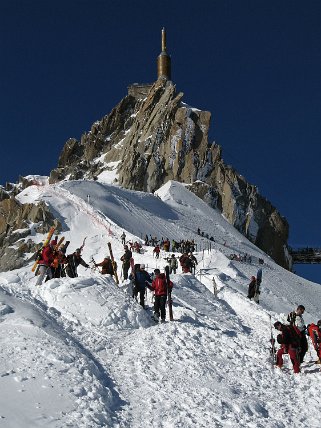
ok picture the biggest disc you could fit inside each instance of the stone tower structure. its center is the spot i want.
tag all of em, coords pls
(164, 61)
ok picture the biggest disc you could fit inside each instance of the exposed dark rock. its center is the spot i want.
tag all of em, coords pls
(15, 222)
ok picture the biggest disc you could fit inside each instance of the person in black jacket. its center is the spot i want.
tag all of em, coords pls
(252, 288)
(74, 260)
(125, 258)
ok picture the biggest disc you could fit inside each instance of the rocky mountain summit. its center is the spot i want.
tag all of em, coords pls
(151, 137)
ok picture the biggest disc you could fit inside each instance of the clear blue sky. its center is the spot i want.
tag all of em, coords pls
(256, 65)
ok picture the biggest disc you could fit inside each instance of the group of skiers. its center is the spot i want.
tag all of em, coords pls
(167, 245)
(246, 258)
(205, 235)
(292, 338)
(54, 263)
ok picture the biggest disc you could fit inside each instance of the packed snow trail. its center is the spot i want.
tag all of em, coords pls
(176, 373)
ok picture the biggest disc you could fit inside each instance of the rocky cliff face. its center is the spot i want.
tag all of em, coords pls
(150, 139)
(18, 222)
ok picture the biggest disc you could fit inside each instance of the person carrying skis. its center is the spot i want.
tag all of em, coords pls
(125, 258)
(314, 331)
(106, 266)
(159, 286)
(74, 260)
(289, 339)
(60, 260)
(142, 278)
(252, 288)
(47, 258)
(295, 318)
(257, 292)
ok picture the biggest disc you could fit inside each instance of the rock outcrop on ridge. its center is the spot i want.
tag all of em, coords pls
(151, 137)
(17, 223)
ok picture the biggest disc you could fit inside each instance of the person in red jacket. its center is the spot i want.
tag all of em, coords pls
(314, 331)
(156, 251)
(47, 257)
(106, 266)
(289, 339)
(160, 287)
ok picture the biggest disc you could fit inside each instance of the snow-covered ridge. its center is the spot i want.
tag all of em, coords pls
(82, 353)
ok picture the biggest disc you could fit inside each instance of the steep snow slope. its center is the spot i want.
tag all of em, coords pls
(103, 360)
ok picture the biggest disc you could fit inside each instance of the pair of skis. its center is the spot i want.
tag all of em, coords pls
(169, 295)
(113, 263)
(272, 347)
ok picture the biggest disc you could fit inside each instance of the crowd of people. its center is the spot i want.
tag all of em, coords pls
(55, 263)
(246, 258)
(182, 246)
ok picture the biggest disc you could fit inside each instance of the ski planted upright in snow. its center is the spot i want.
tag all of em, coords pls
(46, 242)
(113, 262)
(169, 295)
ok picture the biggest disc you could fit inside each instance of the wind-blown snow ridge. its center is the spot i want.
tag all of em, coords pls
(82, 353)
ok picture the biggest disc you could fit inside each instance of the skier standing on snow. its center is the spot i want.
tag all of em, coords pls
(125, 258)
(74, 260)
(289, 339)
(295, 318)
(142, 278)
(252, 288)
(47, 257)
(123, 238)
(159, 286)
(314, 331)
(61, 260)
(166, 245)
(156, 251)
(185, 262)
(193, 262)
(173, 265)
(106, 266)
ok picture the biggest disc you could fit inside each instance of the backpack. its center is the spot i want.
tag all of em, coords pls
(295, 336)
